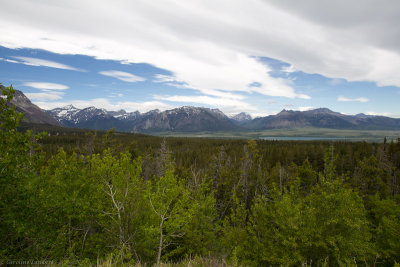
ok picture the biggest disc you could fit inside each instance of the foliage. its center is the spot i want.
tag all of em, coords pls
(110, 198)
(19, 161)
(386, 230)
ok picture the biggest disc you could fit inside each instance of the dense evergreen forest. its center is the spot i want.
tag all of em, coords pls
(84, 197)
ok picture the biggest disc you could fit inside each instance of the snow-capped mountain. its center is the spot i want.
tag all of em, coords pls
(67, 113)
(197, 119)
(185, 119)
(241, 117)
(89, 118)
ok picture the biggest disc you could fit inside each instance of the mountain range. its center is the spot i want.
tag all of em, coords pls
(196, 119)
(183, 119)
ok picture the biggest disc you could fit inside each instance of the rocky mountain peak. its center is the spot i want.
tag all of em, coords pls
(69, 107)
(242, 117)
(33, 113)
(321, 111)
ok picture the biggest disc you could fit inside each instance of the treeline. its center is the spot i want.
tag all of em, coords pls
(79, 197)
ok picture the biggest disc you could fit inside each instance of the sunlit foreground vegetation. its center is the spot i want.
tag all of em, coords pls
(106, 199)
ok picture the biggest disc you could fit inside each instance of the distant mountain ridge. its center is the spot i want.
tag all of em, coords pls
(241, 118)
(196, 119)
(323, 118)
(183, 119)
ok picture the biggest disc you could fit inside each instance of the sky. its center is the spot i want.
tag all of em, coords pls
(254, 56)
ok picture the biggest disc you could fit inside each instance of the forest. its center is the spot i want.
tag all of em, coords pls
(77, 197)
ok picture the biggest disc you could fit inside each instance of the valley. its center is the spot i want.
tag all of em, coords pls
(191, 121)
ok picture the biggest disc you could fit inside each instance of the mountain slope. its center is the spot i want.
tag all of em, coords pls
(323, 118)
(241, 118)
(88, 118)
(33, 113)
(185, 119)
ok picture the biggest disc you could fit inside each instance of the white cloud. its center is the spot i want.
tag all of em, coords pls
(359, 99)
(49, 91)
(212, 57)
(123, 76)
(386, 114)
(305, 108)
(169, 80)
(30, 61)
(289, 69)
(44, 96)
(161, 78)
(261, 114)
(46, 86)
(9, 60)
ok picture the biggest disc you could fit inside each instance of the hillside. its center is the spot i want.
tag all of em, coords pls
(322, 118)
(33, 113)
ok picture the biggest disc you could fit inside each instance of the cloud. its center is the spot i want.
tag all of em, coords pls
(305, 108)
(211, 47)
(123, 76)
(205, 45)
(289, 69)
(30, 61)
(261, 114)
(386, 114)
(343, 44)
(161, 78)
(44, 96)
(106, 104)
(49, 91)
(9, 60)
(170, 80)
(46, 86)
(359, 99)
